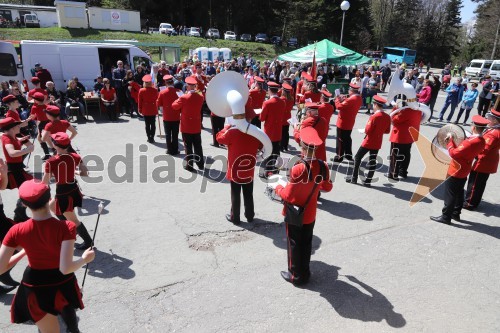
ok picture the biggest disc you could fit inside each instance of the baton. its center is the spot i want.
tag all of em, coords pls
(101, 207)
(29, 155)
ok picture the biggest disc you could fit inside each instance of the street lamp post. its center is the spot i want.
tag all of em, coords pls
(345, 5)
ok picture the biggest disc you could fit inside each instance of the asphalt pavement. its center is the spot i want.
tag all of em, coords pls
(168, 261)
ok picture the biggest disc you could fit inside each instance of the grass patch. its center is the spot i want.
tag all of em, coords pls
(258, 50)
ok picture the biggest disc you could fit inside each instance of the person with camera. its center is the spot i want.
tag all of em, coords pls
(307, 177)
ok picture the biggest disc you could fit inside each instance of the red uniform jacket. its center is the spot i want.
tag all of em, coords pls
(378, 125)
(190, 105)
(38, 112)
(299, 188)
(13, 114)
(487, 161)
(348, 110)
(57, 126)
(463, 155)
(35, 90)
(241, 154)
(298, 90)
(202, 82)
(321, 126)
(272, 116)
(165, 99)
(258, 97)
(401, 123)
(325, 110)
(315, 97)
(288, 110)
(249, 111)
(147, 101)
(6, 139)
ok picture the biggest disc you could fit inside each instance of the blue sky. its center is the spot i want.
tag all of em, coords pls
(468, 10)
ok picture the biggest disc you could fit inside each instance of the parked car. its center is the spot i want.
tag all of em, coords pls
(261, 38)
(212, 33)
(292, 42)
(154, 31)
(276, 40)
(166, 28)
(31, 20)
(246, 37)
(194, 32)
(229, 35)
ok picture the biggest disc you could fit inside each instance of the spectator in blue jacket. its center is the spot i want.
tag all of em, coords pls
(468, 101)
(455, 92)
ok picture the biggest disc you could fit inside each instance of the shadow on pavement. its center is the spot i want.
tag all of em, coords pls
(91, 206)
(353, 299)
(398, 193)
(345, 210)
(110, 265)
(478, 227)
(489, 209)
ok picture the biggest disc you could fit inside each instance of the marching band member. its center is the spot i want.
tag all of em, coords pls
(258, 96)
(378, 125)
(312, 119)
(201, 83)
(14, 158)
(12, 103)
(37, 89)
(306, 179)
(272, 116)
(241, 154)
(49, 287)
(311, 92)
(68, 196)
(147, 106)
(289, 102)
(325, 109)
(462, 157)
(171, 117)
(486, 162)
(55, 125)
(37, 113)
(300, 85)
(348, 110)
(189, 105)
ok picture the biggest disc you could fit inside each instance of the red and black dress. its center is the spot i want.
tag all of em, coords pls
(68, 195)
(44, 289)
(15, 165)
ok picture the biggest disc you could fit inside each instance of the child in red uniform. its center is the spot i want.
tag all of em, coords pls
(12, 103)
(147, 106)
(14, 157)
(290, 102)
(37, 113)
(55, 125)
(5, 225)
(68, 196)
(49, 286)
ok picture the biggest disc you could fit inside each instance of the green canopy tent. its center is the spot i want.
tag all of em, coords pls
(326, 52)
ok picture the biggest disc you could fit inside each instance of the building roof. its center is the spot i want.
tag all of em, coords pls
(26, 7)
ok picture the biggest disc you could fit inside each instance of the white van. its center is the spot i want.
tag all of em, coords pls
(10, 66)
(495, 70)
(87, 61)
(478, 68)
(31, 21)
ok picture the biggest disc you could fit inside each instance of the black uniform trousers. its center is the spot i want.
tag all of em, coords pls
(483, 106)
(285, 137)
(344, 143)
(400, 159)
(299, 247)
(236, 189)
(475, 189)
(270, 162)
(194, 150)
(256, 121)
(453, 196)
(150, 123)
(172, 136)
(372, 163)
(217, 126)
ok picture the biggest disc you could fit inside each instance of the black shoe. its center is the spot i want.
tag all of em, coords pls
(441, 219)
(349, 157)
(6, 279)
(367, 112)
(229, 219)
(189, 168)
(471, 208)
(200, 166)
(153, 140)
(250, 219)
(390, 176)
(455, 217)
(403, 175)
(286, 276)
(5, 290)
(216, 145)
(337, 159)
(365, 184)
(351, 180)
(46, 157)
